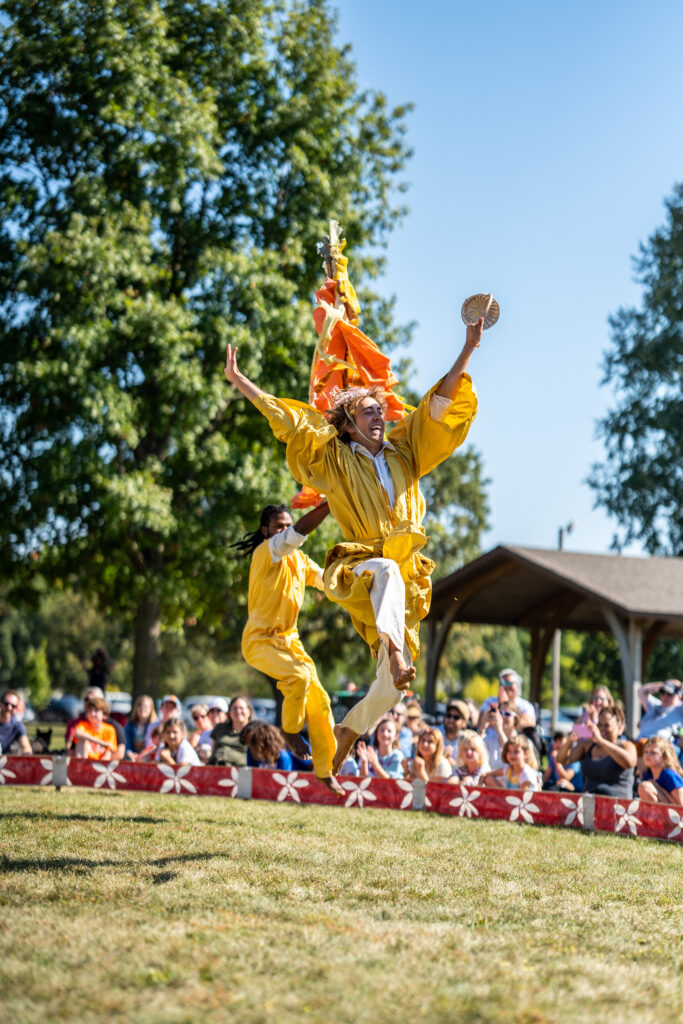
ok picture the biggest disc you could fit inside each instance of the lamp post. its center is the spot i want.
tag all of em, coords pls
(557, 645)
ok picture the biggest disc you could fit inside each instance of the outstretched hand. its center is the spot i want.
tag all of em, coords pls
(474, 333)
(231, 370)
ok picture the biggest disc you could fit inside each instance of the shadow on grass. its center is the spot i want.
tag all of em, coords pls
(51, 816)
(82, 864)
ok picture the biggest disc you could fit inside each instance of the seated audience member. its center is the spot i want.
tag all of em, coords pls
(175, 748)
(266, 747)
(383, 758)
(471, 761)
(454, 722)
(170, 708)
(399, 713)
(96, 691)
(428, 764)
(12, 729)
(414, 722)
(496, 725)
(229, 745)
(217, 713)
(93, 737)
(200, 717)
(663, 707)
(661, 782)
(556, 776)
(607, 759)
(142, 714)
(520, 769)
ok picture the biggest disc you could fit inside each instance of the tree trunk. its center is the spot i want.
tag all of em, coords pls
(146, 657)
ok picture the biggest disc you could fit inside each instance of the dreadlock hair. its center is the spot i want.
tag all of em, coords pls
(250, 541)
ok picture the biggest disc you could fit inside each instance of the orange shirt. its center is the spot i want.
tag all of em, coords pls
(85, 748)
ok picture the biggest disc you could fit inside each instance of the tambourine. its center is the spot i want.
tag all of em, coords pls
(484, 305)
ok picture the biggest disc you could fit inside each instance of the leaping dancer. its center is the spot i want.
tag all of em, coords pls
(371, 484)
(278, 577)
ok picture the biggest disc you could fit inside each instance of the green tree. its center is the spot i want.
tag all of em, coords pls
(165, 172)
(37, 676)
(641, 481)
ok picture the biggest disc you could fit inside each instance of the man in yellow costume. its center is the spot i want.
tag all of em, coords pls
(278, 577)
(371, 484)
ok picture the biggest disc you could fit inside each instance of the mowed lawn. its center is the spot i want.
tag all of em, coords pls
(146, 908)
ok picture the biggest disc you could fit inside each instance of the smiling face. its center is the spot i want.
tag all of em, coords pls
(386, 734)
(240, 713)
(368, 423)
(173, 735)
(470, 755)
(515, 756)
(9, 707)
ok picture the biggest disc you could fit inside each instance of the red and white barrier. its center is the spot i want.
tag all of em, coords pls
(568, 810)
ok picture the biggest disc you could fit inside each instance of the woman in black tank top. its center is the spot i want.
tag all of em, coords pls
(607, 762)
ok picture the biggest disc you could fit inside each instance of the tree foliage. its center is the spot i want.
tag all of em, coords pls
(165, 172)
(641, 481)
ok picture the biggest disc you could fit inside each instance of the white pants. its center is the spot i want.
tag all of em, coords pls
(388, 599)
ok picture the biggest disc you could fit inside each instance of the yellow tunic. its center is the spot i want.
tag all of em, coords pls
(359, 503)
(271, 644)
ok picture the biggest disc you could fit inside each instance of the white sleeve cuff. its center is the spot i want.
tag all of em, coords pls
(438, 407)
(283, 543)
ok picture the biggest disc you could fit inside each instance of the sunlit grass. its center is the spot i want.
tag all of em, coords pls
(133, 907)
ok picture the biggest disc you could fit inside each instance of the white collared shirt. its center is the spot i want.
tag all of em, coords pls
(438, 407)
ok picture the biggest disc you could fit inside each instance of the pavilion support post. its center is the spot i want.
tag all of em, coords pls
(629, 637)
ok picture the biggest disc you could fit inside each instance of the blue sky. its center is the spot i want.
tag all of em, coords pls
(546, 137)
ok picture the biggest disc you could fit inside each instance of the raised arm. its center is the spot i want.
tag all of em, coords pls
(235, 376)
(449, 385)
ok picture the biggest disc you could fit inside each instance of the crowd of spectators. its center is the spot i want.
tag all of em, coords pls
(498, 744)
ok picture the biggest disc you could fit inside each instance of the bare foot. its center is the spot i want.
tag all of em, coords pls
(345, 740)
(402, 674)
(332, 785)
(295, 742)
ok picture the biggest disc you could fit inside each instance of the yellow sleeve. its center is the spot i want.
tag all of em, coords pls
(314, 574)
(431, 441)
(304, 430)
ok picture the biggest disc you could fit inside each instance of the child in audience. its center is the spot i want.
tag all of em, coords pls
(471, 760)
(520, 772)
(266, 747)
(383, 759)
(429, 764)
(175, 748)
(661, 782)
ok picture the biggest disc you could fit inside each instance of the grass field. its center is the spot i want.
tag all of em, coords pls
(145, 908)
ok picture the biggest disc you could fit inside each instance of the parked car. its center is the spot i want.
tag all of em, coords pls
(564, 723)
(121, 704)
(265, 708)
(62, 709)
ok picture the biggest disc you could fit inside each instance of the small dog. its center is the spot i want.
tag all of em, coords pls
(41, 742)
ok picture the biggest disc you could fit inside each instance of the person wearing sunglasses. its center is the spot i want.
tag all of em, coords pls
(454, 722)
(12, 729)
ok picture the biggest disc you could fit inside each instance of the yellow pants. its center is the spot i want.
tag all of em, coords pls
(282, 657)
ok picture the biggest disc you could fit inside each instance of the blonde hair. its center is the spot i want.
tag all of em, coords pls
(469, 736)
(527, 748)
(432, 764)
(602, 691)
(135, 713)
(340, 415)
(666, 749)
(375, 741)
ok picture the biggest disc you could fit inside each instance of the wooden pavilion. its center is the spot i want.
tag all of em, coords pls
(639, 600)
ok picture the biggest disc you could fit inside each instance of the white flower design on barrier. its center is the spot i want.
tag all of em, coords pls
(290, 784)
(46, 763)
(523, 807)
(575, 811)
(677, 820)
(230, 783)
(465, 803)
(626, 817)
(5, 773)
(107, 774)
(407, 788)
(358, 793)
(175, 780)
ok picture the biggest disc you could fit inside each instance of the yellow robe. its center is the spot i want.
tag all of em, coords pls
(359, 503)
(271, 644)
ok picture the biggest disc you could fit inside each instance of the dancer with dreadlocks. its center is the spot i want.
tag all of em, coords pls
(378, 573)
(278, 577)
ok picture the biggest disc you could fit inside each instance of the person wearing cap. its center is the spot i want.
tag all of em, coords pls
(454, 722)
(278, 577)
(372, 487)
(170, 708)
(217, 714)
(510, 690)
(663, 706)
